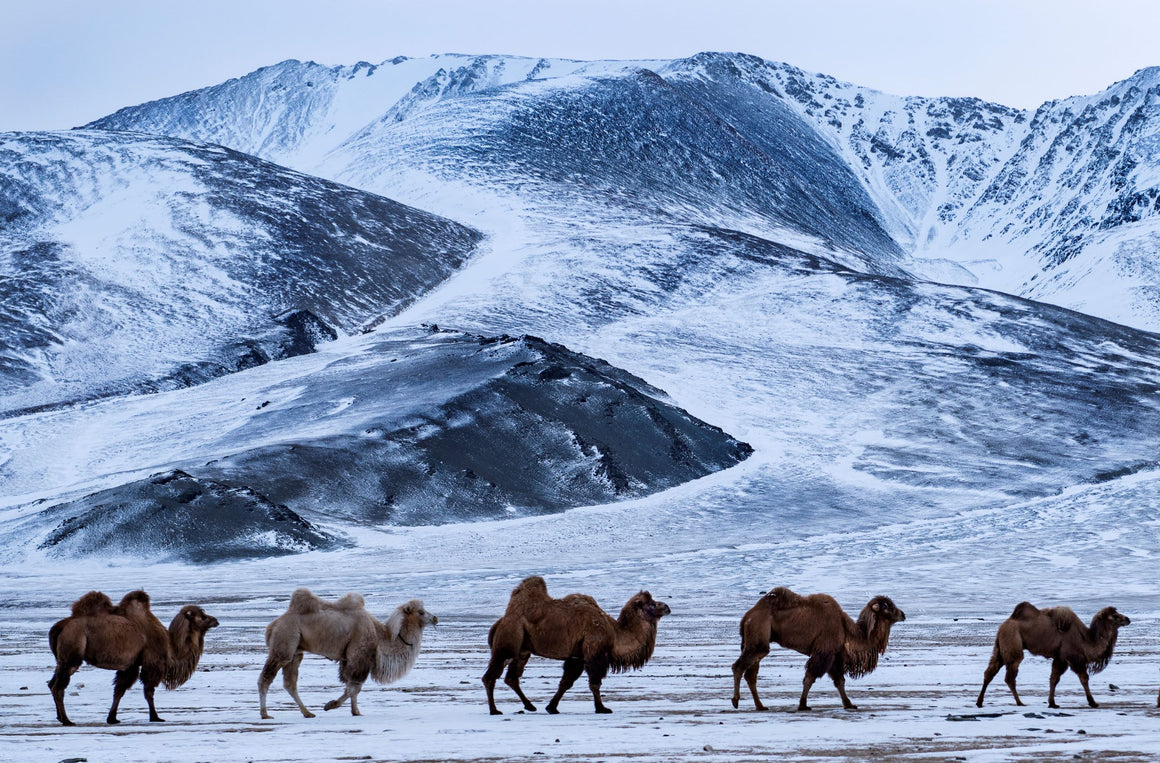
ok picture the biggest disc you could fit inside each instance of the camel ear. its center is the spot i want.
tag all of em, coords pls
(408, 609)
(875, 606)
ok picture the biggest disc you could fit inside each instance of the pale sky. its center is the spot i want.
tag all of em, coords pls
(67, 62)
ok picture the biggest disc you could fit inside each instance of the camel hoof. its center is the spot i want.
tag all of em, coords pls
(1053, 705)
(1094, 703)
(529, 707)
(603, 711)
(267, 717)
(308, 714)
(110, 721)
(552, 710)
(158, 719)
(735, 702)
(330, 705)
(65, 722)
(500, 712)
(851, 707)
(804, 708)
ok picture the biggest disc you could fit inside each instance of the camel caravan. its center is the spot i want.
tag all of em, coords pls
(129, 639)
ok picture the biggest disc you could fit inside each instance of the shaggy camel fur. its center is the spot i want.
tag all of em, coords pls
(345, 632)
(815, 626)
(573, 629)
(1058, 634)
(129, 639)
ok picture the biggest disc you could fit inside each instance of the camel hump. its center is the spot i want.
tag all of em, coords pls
(303, 602)
(782, 598)
(1024, 610)
(134, 602)
(351, 601)
(533, 584)
(92, 603)
(1062, 618)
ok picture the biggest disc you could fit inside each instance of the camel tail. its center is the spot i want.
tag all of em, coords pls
(491, 633)
(53, 635)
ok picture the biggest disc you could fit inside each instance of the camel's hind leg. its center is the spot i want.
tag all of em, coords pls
(816, 667)
(747, 665)
(990, 673)
(59, 682)
(290, 682)
(121, 683)
(499, 658)
(274, 663)
(512, 679)
(1012, 675)
(572, 669)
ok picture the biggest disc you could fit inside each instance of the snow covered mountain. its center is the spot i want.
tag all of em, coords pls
(136, 262)
(1059, 205)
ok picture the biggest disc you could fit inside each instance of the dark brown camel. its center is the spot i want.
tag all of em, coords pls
(815, 626)
(129, 639)
(1058, 634)
(573, 629)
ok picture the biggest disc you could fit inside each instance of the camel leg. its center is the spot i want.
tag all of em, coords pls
(572, 669)
(838, 676)
(512, 679)
(494, 670)
(1080, 669)
(751, 679)
(290, 681)
(1058, 668)
(273, 665)
(597, 669)
(58, 683)
(747, 665)
(121, 683)
(816, 667)
(153, 716)
(332, 704)
(1012, 675)
(989, 674)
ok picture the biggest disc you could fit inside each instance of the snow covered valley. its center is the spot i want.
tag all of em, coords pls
(702, 327)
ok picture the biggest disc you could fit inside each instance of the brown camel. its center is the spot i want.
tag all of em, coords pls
(129, 639)
(345, 632)
(1058, 634)
(573, 629)
(815, 626)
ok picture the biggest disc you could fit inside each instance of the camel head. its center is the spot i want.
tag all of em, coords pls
(415, 615)
(1110, 618)
(647, 607)
(196, 618)
(883, 609)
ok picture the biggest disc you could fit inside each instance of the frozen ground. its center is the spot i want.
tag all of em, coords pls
(918, 704)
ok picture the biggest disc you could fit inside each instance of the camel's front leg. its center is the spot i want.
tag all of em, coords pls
(597, 669)
(1080, 669)
(838, 675)
(816, 667)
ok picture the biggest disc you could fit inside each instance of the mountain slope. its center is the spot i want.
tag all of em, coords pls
(414, 426)
(134, 262)
(1058, 205)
